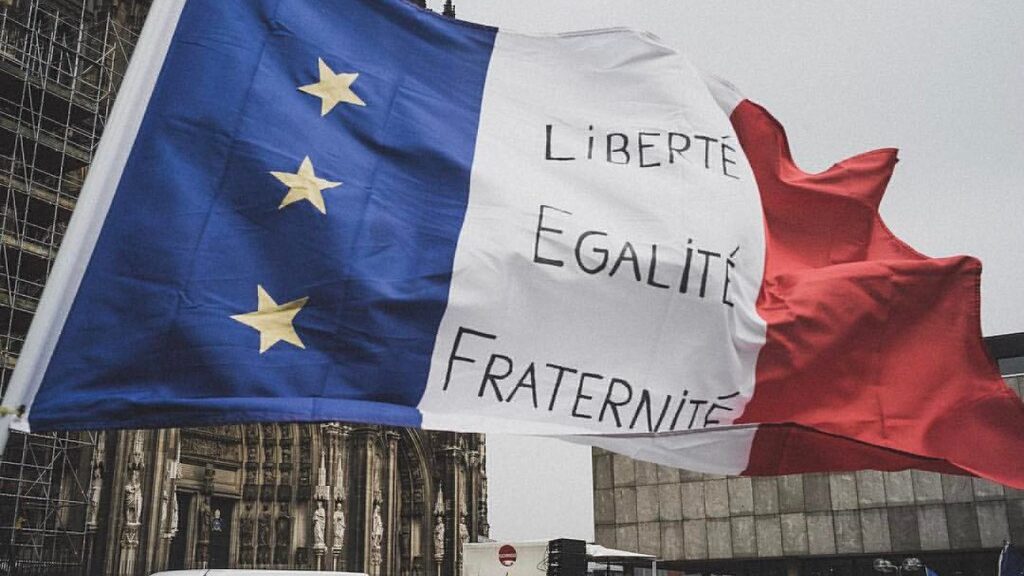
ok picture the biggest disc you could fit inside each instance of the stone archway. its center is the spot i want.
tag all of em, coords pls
(413, 552)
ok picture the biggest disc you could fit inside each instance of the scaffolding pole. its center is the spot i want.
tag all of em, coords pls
(61, 62)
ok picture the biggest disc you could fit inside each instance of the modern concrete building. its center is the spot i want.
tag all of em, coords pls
(812, 524)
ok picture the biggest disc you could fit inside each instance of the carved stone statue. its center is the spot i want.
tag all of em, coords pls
(138, 450)
(165, 509)
(463, 530)
(376, 534)
(173, 529)
(319, 521)
(484, 526)
(438, 538)
(439, 525)
(263, 528)
(284, 530)
(132, 510)
(263, 537)
(245, 531)
(204, 522)
(133, 499)
(339, 526)
(95, 491)
(174, 516)
(96, 486)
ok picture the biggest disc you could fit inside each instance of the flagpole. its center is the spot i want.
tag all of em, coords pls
(83, 230)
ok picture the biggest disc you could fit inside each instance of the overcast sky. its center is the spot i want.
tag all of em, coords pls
(940, 81)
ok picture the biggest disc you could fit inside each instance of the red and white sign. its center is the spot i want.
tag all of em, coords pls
(507, 555)
(522, 558)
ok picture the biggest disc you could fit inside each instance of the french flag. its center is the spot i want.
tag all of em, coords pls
(362, 211)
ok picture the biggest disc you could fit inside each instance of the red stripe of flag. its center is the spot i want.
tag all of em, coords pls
(873, 349)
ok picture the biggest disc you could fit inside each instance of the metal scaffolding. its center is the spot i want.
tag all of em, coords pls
(61, 62)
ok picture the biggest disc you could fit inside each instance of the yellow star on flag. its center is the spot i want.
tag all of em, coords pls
(273, 321)
(332, 88)
(304, 185)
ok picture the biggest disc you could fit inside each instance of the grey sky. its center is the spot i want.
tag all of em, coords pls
(940, 81)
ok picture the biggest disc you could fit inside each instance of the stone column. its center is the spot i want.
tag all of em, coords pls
(438, 534)
(319, 513)
(361, 461)
(483, 525)
(92, 516)
(390, 553)
(452, 457)
(472, 493)
(377, 531)
(204, 518)
(132, 495)
(165, 523)
(338, 440)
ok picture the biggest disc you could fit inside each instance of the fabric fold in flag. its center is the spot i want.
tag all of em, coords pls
(885, 339)
(363, 211)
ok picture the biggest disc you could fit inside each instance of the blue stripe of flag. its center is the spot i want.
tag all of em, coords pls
(195, 224)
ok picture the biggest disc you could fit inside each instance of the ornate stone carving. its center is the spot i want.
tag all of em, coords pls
(319, 523)
(364, 469)
(323, 491)
(204, 522)
(209, 479)
(483, 526)
(245, 529)
(339, 526)
(132, 509)
(463, 530)
(283, 529)
(263, 528)
(302, 556)
(136, 459)
(376, 532)
(168, 498)
(175, 522)
(439, 526)
(284, 492)
(133, 491)
(250, 492)
(283, 538)
(263, 537)
(439, 538)
(95, 492)
(221, 444)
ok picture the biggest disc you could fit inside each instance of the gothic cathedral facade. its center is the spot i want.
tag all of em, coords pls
(385, 501)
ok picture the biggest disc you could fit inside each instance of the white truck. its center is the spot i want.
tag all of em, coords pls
(561, 557)
(528, 558)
